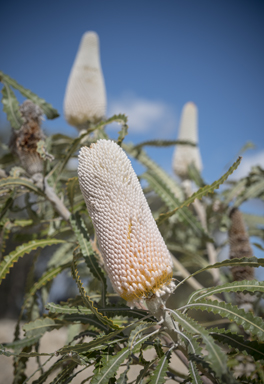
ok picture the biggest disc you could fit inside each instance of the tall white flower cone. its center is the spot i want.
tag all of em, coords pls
(184, 155)
(136, 258)
(85, 96)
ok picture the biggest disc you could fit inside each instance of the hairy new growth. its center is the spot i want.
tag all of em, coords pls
(136, 257)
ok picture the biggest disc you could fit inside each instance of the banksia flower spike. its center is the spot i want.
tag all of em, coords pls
(136, 258)
(85, 96)
(24, 141)
(184, 155)
(240, 247)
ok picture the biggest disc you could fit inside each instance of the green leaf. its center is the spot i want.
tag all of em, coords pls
(144, 159)
(160, 370)
(248, 321)
(110, 368)
(250, 261)
(42, 150)
(251, 192)
(20, 344)
(172, 202)
(64, 309)
(158, 348)
(91, 261)
(88, 302)
(236, 286)
(252, 348)
(21, 250)
(137, 334)
(11, 107)
(38, 327)
(200, 193)
(163, 143)
(72, 185)
(47, 108)
(8, 203)
(64, 374)
(216, 357)
(123, 132)
(84, 347)
(12, 182)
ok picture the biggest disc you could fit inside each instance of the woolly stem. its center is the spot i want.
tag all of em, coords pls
(42, 183)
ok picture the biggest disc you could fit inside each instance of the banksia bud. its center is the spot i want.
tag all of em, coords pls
(135, 255)
(85, 96)
(240, 247)
(24, 141)
(184, 155)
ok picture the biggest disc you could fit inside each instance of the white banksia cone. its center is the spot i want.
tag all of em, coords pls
(185, 155)
(85, 96)
(136, 258)
(24, 141)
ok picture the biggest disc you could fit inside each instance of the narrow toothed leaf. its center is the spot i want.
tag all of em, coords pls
(160, 371)
(88, 302)
(248, 321)
(251, 348)
(11, 182)
(164, 143)
(21, 250)
(110, 368)
(11, 106)
(216, 357)
(236, 286)
(72, 185)
(47, 108)
(87, 251)
(201, 192)
(40, 326)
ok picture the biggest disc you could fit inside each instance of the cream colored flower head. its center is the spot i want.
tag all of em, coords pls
(135, 255)
(184, 155)
(85, 96)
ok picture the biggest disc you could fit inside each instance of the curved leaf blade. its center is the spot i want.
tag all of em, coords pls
(200, 193)
(21, 250)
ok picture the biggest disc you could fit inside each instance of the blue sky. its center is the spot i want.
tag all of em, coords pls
(155, 54)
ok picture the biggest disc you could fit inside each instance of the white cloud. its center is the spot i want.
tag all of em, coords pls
(248, 161)
(144, 115)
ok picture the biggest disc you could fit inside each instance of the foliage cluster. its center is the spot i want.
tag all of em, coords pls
(216, 340)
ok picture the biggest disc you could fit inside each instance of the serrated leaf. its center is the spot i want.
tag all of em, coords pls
(173, 202)
(11, 182)
(47, 108)
(252, 348)
(21, 250)
(110, 368)
(250, 261)
(65, 309)
(84, 319)
(158, 348)
(72, 185)
(137, 333)
(248, 321)
(11, 106)
(216, 357)
(8, 203)
(41, 149)
(236, 286)
(88, 302)
(160, 370)
(20, 344)
(144, 159)
(38, 327)
(82, 348)
(64, 374)
(91, 261)
(200, 193)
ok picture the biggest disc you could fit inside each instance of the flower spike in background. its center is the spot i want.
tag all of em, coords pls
(85, 96)
(136, 258)
(184, 155)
